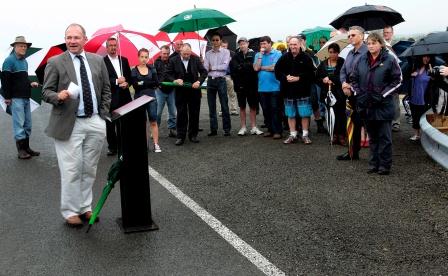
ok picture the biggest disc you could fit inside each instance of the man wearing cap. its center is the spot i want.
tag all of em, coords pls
(17, 93)
(245, 82)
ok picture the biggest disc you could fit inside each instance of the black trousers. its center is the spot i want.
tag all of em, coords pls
(188, 104)
(111, 135)
(416, 112)
(380, 141)
(340, 123)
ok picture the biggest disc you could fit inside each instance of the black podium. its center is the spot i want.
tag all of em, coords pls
(134, 177)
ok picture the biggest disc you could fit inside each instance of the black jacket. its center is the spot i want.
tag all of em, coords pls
(161, 68)
(119, 96)
(375, 84)
(242, 71)
(144, 84)
(176, 69)
(336, 88)
(301, 66)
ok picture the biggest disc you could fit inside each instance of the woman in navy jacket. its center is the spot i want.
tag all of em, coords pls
(375, 79)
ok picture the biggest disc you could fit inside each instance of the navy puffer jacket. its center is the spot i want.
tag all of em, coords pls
(374, 84)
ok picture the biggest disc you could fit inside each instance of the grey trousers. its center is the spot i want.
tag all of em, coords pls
(380, 140)
(396, 120)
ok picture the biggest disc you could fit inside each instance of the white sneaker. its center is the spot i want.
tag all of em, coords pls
(242, 131)
(415, 138)
(256, 131)
(157, 148)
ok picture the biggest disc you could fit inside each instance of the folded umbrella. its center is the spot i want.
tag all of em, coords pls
(350, 126)
(112, 177)
(186, 85)
(330, 101)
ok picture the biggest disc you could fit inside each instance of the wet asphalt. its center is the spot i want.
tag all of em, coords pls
(307, 213)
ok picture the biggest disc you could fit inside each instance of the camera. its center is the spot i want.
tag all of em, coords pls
(434, 72)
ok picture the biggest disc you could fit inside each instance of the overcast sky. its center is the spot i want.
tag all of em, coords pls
(43, 22)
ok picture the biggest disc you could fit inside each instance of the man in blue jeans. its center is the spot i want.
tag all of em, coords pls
(17, 92)
(269, 87)
(216, 62)
(165, 94)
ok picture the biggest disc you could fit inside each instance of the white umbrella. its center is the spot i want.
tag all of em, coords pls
(330, 101)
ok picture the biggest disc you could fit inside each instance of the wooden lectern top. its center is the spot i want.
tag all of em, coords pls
(125, 109)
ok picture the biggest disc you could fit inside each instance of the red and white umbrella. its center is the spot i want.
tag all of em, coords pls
(128, 42)
(163, 38)
(198, 43)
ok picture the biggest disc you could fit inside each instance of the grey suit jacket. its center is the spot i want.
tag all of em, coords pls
(59, 72)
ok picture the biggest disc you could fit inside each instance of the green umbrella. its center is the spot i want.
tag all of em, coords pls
(313, 36)
(112, 177)
(173, 84)
(195, 20)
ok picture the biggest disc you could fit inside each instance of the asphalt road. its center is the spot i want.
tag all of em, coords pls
(305, 212)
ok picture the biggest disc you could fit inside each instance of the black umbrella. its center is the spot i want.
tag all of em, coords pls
(401, 46)
(226, 33)
(370, 17)
(254, 44)
(432, 44)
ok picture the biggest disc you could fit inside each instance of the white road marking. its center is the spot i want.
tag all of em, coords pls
(241, 246)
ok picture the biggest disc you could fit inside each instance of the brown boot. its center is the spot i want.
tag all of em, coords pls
(22, 154)
(29, 150)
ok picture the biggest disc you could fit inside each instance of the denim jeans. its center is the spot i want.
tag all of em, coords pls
(218, 85)
(270, 103)
(169, 99)
(21, 118)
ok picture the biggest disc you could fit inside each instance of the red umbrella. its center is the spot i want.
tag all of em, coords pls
(129, 42)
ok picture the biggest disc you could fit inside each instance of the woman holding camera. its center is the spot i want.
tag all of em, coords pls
(375, 79)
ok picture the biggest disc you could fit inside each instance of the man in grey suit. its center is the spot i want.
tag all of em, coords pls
(77, 84)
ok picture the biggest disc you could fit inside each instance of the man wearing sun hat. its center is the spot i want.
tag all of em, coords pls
(17, 92)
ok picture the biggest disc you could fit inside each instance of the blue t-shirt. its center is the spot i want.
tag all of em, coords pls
(266, 80)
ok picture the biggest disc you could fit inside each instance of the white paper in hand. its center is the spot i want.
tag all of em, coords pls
(74, 90)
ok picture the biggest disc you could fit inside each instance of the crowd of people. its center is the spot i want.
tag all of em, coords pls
(291, 88)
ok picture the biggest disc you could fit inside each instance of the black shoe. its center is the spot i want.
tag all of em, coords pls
(172, 133)
(372, 170)
(194, 139)
(111, 152)
(226, 133)
(346, 157)
(200, 129)
(383, 172)
(264, 126)
(179, 142)
(212, 133)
